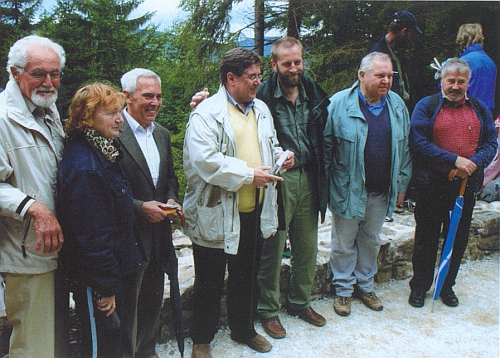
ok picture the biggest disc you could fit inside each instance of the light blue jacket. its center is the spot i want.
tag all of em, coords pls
(345, 137)
(215, 174)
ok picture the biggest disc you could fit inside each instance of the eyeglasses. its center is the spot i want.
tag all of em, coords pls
(41, 75)
(254, 78)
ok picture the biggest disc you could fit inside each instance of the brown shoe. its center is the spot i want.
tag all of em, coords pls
(371, 301)
(308, 315)
(201, 351)
(257, 343)
(273, 327)
(342, 305)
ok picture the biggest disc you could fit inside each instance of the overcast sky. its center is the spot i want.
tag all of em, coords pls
(167, 12)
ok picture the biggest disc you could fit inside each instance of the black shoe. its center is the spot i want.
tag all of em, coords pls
(449, 298)
(417, 298)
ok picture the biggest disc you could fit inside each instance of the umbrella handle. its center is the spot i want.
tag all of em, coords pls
(183, 218)
(178, 211)
(462, 186)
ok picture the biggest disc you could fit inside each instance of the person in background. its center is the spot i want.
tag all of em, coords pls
(368, 167)
(401, 32)
(229, 147)
(30, 150)
(483, 78)
(101, 253)
(458, 136)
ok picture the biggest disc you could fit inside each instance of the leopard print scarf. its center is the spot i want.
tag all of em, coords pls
(104, 145)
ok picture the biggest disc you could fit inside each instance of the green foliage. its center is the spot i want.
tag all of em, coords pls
(337, 34)
(190, 63)
(102, 42)
(207, 25)
(179, 171)
(16, 21)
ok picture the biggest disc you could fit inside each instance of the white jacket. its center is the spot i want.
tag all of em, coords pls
(28, 167)
(214, 174)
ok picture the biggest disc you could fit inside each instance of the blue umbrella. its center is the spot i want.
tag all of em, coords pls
(444, 262)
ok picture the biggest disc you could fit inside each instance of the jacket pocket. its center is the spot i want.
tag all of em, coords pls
(210, 223)
(340, 189)
(210, 214)
(345, 154)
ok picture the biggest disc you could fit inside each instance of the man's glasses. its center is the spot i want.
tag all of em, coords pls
(41, 75)
(254, 78)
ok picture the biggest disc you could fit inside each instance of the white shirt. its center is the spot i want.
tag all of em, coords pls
(147, 143)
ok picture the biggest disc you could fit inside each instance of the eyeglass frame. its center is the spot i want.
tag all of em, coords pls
(38, 76)
(254, 78)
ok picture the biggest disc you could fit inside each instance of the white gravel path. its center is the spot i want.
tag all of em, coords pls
(469, 330)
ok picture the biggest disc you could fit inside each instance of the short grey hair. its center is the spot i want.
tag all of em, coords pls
(18, 53)
(129, 79)
(367, 61)
(455, 65)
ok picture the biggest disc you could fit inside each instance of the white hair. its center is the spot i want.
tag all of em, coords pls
(129, 79)
(18, 54)
(455, 65)
(367, 61)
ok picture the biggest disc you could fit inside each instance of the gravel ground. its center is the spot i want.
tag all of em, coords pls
(469, 330)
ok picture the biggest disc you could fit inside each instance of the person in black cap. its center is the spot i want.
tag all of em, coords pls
(401, 30)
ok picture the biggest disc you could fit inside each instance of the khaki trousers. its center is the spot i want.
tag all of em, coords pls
(29, 301)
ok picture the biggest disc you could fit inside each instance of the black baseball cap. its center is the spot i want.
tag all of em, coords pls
(406, 19)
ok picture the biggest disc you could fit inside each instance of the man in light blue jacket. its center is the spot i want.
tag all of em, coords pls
(229, 148)
(368, 167)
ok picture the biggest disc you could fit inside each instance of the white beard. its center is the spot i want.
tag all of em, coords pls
(43, 101)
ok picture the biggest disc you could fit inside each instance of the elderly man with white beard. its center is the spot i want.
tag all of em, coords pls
(30, 149)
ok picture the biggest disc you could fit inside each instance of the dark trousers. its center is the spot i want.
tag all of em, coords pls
(432, 216)
(138, 305)
(96, 338)
(145, 292)
(210, 268)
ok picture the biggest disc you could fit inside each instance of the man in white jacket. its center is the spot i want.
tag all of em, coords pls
(229, 148)
(30, 235)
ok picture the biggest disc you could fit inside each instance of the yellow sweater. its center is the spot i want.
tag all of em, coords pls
(247, 144)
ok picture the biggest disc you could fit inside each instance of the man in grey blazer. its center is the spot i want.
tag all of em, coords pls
(147, 161)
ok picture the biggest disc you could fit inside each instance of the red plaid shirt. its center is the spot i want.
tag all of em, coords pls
(457, 129)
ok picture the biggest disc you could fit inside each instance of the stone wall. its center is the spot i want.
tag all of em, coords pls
(394, 259)
(394, 262)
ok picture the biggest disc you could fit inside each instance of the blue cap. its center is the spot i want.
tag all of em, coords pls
(406, 19)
